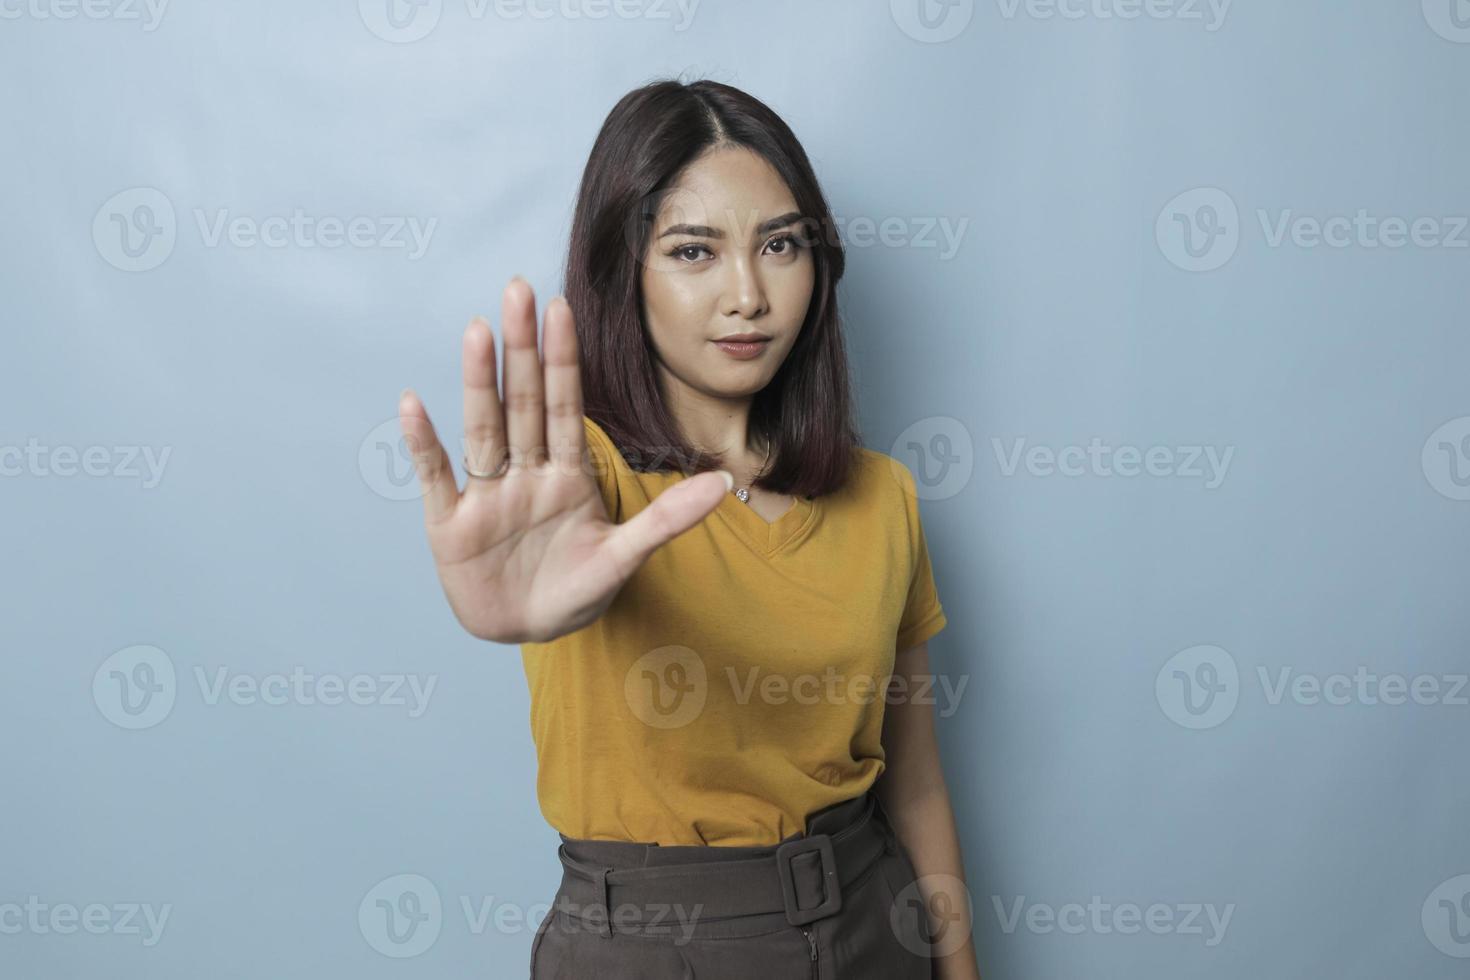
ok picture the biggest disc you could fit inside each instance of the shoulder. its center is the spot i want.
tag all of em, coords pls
(883, 480)
(604, 449)
(595, 432)
(607, 463)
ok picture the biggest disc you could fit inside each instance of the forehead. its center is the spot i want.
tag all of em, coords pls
(725, 188)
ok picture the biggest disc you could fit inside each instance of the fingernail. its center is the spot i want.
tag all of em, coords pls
(729, 479)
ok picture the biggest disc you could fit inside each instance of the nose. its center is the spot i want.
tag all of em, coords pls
(744, 296)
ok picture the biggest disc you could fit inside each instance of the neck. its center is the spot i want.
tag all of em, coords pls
(715, 424)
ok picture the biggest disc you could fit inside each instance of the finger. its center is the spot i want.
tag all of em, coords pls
(672, 512)
(436, 476)
(566, 438)
(524, 412)
(484, 425)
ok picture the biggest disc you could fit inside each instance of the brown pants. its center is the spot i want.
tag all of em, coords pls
(836, 903)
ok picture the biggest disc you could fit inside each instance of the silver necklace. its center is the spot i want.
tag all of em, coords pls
(743, 493)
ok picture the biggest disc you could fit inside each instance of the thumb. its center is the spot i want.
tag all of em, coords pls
(672, 512)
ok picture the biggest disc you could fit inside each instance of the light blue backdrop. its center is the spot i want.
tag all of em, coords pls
(1163, 301)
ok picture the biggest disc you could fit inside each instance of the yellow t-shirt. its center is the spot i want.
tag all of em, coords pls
(735, 685)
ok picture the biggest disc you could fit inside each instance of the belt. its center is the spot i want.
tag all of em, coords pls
(803, 877)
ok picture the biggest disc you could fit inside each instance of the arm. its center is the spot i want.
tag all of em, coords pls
(913, 791)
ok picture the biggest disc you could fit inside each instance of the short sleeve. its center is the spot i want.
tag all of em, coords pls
(923, 616)
(605, 459)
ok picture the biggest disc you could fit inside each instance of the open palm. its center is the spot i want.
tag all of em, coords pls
(532, 554)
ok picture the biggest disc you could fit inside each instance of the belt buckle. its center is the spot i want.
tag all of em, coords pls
(831, 887)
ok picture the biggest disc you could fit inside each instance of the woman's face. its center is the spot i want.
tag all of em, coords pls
(724, 259)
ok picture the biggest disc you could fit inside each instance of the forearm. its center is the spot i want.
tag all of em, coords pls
(925, 824)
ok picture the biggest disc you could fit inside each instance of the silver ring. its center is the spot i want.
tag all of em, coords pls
(499, 472)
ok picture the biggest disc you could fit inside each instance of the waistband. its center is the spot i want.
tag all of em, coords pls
(629, 887)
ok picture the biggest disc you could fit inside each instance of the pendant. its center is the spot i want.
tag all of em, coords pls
(743, 495)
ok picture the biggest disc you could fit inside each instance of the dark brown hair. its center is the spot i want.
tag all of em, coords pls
(805, 412)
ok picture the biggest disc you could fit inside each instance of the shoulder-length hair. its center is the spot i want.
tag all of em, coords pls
(805, 412)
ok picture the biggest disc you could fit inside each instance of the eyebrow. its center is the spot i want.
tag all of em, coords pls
(705, 231)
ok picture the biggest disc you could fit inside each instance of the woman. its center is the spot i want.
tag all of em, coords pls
(711, 614)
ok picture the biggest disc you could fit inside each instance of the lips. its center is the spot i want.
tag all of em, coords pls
(742, 348)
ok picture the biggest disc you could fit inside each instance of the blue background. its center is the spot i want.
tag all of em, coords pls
(1080, 764)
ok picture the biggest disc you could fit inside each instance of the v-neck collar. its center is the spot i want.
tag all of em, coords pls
(767, 537)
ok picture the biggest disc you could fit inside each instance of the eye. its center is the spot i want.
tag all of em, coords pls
(787, 242)
(688, 252)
